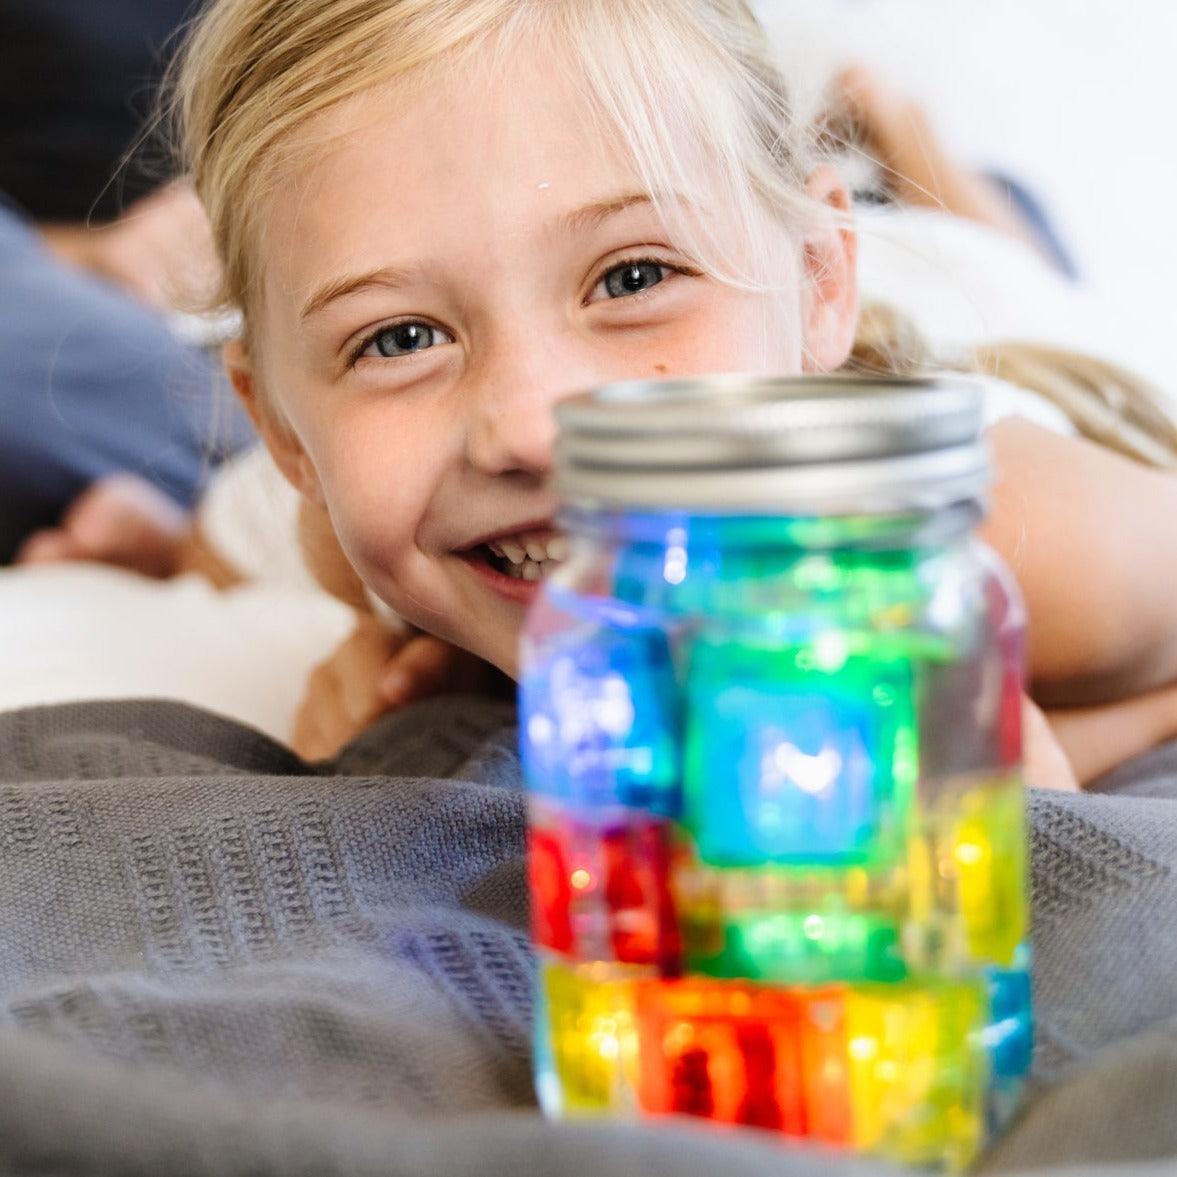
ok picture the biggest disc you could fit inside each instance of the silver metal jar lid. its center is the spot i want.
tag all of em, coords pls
(808, 445)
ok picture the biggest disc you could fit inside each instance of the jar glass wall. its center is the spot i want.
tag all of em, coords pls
(777, 837)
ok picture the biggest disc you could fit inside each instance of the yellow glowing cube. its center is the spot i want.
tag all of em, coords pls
(591, 1036)
(917, 1070)
(988, 860)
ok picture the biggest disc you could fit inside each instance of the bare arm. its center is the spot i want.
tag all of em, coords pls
(159, 250)
(919, 170)
(1092, 540)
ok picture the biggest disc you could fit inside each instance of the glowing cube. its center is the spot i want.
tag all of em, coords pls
(791, 947)
(587, 1045)
(1009, 1036)
(802, 754)
(741, 1054)
(918, 1070)
(984, 851)
(601, 890)
(599, 722)
(1009, 1039)
(792, 925)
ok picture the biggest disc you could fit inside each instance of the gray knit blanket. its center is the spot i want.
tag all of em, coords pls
(218, 960)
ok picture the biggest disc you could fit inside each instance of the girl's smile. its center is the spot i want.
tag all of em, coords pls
(513, 562)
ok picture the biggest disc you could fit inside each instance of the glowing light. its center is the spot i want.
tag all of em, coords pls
(580, 879)
(830, 651)
(814, 927)
(540, 729)
(678, 1038)
(969, 853)
(605, 1040)
(812, 774)
(674, 567)
(863, 1048)
(608, 1047)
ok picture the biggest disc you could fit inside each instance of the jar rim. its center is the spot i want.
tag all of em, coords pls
(810, 444)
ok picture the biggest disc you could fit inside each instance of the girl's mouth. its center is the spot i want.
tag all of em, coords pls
(514, 563)
(528, 555)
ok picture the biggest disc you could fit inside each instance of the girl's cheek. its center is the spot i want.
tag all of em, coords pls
(735, 331)
(374, 516)
(378, 494)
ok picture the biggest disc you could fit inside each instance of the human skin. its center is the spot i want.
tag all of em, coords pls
(421, 457)
(160, 249)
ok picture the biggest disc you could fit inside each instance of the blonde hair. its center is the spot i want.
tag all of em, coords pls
(693, 88)
(1106, 403)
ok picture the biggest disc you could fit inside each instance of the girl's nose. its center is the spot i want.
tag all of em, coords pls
(512, 423)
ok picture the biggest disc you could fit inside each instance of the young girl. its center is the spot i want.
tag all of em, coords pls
(439, 217)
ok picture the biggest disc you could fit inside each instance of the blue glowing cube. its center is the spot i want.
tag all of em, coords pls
(599, 722)
(798, 754)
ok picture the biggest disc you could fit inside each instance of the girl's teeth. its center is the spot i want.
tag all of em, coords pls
(529, 557)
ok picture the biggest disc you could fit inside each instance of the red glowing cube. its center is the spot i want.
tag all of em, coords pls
(601, 892)
(740, 1054)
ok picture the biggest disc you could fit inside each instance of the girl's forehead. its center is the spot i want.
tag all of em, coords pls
(438, 162)
(476, 120)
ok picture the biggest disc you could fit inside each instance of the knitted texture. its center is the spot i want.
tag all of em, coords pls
(216, 959)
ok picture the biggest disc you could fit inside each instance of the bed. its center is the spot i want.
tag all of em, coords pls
(218, 959)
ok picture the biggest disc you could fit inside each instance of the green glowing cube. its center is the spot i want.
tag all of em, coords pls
(805, 753)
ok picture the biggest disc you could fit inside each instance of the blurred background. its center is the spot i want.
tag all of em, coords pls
(1075, 97)
(109, 393)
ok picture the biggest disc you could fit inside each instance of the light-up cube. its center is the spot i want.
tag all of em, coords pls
(1009, 1036)
(790, 925)
(966, 879)
(918, 1070)
(599, 722)
(803, 754)
(587, 1043)
(982, 850)
(742, 1054)
(601, 889)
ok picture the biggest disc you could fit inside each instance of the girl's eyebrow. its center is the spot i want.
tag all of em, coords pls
(392, 278)
(591, 215)
(386, 278)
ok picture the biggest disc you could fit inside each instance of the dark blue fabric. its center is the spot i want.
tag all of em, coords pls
(92, 383)
(1039, 221)
(78, 80)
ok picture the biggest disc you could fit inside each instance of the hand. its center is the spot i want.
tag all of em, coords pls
(373, 672)
(918, 169)
(160, 249)
(120, 520)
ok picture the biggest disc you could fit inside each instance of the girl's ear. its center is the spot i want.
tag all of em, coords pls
(283, 443)
(830, 254)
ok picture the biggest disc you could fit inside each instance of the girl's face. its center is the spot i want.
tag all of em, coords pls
(441, 274)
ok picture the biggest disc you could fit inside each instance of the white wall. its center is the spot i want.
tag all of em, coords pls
(1077, 97)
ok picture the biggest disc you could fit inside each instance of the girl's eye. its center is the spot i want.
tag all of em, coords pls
(403, 339)
(632, 278)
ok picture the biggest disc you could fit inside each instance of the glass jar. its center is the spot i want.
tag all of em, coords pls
(771, 730)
